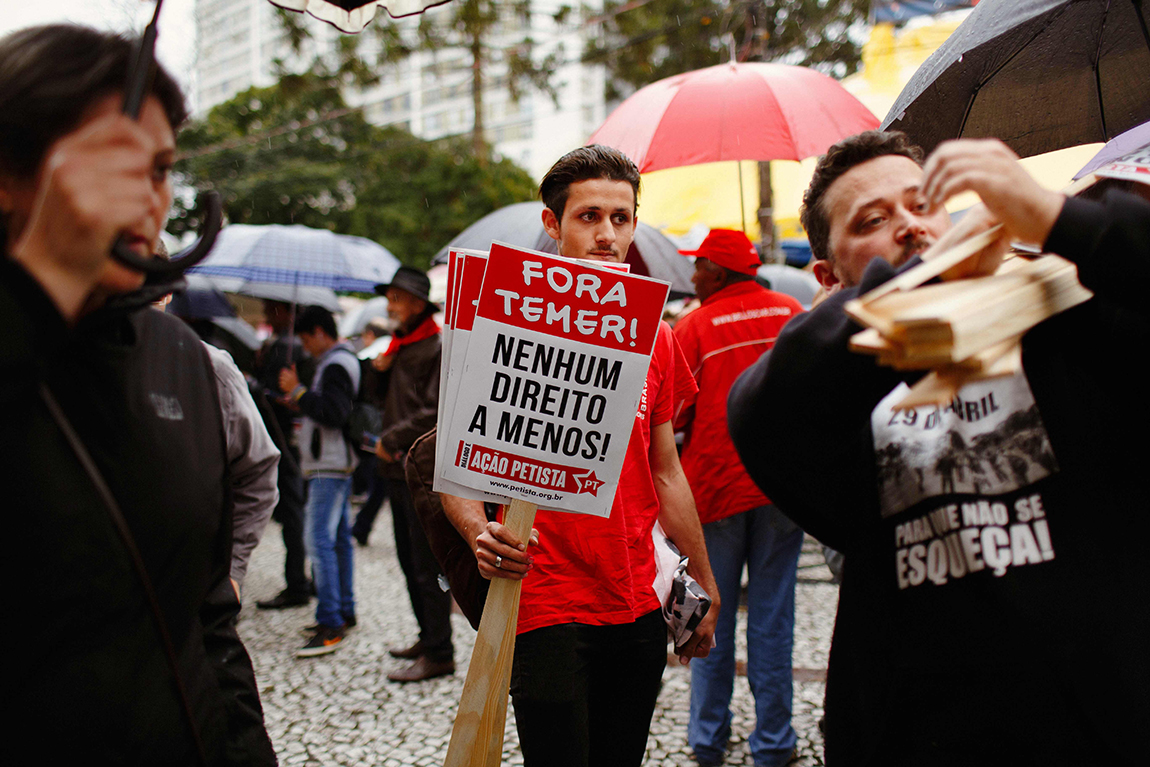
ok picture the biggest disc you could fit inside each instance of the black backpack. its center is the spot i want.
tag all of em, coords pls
(365, 422)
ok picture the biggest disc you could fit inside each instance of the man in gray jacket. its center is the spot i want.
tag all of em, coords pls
(327, 461)
(253, 462)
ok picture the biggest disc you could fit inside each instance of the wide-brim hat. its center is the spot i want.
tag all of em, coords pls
(410, 280)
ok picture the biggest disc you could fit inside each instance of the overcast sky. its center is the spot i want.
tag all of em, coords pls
(176, 42)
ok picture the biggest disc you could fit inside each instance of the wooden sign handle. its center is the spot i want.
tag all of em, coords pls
(477, 737)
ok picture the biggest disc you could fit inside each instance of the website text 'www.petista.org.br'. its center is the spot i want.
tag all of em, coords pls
(543, 496)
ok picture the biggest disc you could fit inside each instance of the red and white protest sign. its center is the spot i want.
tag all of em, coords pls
(453, 259)
(465, 277)
(551, 379)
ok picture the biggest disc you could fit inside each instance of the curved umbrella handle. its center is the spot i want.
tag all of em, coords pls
(140, 75)
(185, 258)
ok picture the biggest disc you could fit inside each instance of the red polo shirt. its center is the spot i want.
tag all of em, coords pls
(601, 571)
(720, 340)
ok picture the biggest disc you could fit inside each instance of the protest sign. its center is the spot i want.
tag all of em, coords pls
(445, 339)
(456, 258)
(554, 367)
(470, 267)
(1134, 166)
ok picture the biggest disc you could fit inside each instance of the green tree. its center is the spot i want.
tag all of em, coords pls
(295, 153)
(661, 38)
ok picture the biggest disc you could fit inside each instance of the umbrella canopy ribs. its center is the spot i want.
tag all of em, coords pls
(1038, 74)
(353, 15)
(962, 330)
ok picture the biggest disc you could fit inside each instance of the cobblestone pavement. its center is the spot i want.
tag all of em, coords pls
(340, 709)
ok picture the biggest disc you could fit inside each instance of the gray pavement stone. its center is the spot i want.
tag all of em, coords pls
(340, 709)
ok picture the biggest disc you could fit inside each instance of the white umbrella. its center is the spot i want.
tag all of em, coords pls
(298, 256)
(305, 295)
(353, 15)
(356, 320)
(796, 283)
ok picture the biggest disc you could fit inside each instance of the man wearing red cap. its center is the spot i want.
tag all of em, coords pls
(738, 321)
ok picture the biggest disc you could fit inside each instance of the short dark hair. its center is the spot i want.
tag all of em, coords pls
(314, 317)
(52, 75)
(839, 159)
(733, 276)
(730, 275)
(584, 164)
(376, 325)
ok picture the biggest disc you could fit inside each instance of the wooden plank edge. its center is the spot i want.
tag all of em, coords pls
(870, 341)
(477, 733)
(934, 264)
(941, 386)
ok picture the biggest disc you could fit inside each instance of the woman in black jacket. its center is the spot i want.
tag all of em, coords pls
(114, 473)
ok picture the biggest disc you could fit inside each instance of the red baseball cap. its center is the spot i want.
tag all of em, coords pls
(730, 249)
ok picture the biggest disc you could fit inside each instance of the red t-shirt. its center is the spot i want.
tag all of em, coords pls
(720, 340)
(600, 571)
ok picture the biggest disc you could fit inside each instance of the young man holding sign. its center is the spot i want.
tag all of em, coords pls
(591, 641)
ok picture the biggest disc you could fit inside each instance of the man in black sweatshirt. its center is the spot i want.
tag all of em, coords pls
(991, 605)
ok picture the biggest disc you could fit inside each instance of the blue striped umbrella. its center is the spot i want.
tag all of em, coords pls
(298, 255)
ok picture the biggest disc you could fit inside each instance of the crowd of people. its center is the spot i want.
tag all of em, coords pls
(141, 468)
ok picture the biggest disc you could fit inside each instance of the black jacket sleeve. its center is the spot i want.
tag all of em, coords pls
(333, 406)
(1109, 241)
(247, 740)
(800, 418)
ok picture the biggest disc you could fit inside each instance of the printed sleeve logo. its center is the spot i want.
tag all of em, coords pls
(166, 406)
(751, 314)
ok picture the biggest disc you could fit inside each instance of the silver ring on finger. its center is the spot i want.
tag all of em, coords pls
(498, 562)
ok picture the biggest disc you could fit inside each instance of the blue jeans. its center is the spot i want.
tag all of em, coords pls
(328, 538)
(769, 544)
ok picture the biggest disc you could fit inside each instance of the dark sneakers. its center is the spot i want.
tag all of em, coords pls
(349, 622)
(282, 600)
(324, 641)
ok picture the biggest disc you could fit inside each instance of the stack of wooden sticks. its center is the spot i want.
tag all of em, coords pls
(961, 330)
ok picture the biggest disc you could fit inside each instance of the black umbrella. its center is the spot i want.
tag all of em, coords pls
(210, 314)
(651, 253)
(353, 15)
(200, 300)
(1039, 74)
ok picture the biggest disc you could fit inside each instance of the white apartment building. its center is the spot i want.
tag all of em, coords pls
(428, 94)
